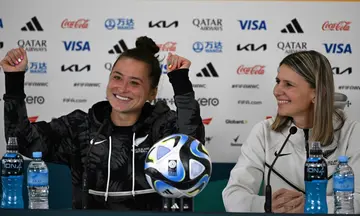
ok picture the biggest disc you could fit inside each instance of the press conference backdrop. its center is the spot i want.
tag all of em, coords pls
(235, 48)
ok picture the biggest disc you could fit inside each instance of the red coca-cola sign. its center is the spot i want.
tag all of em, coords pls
(168, 46)
(76, 24)
(336, 26)
(254, 70)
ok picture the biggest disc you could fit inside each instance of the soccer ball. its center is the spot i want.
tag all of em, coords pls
(178, 166)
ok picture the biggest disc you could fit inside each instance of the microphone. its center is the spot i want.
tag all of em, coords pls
(306, 135)
(268, 192)
(84, 198)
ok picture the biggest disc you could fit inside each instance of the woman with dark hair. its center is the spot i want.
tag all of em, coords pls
(120, 131)
(304, 91)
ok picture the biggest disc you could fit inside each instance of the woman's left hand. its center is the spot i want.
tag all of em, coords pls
(175, 62)
(287, 201)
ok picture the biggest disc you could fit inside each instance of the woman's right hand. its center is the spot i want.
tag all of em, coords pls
(15, 60)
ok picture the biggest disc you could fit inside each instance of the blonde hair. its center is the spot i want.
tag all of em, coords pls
(315, 68)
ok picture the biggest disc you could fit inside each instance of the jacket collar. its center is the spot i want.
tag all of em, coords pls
(299, 137)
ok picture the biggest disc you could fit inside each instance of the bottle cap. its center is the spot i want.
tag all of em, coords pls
(343, 159)
(316, 148)
(37, 154)
(12, 144)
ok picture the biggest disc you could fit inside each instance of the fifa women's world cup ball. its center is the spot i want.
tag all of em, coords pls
(178, 166)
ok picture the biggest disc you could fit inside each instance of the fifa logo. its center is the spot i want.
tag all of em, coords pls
(172, 168)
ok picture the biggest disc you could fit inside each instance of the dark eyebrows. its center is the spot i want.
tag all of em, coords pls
(277, 79)
(135, 78)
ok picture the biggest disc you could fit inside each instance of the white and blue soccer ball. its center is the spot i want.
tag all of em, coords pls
(178, 166)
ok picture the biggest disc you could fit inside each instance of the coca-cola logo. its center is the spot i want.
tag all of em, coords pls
(78, 24)
(168, 46)
(255, 70)
(339, 26)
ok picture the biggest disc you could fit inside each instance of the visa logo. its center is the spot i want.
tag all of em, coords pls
(338, 48)
(77, 45)
(164, 68)
(252, 24)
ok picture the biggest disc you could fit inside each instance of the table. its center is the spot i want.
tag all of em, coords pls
(25, 212)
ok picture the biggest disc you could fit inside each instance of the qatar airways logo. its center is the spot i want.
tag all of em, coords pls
(336, 26)
(252, 70)
(75, 24)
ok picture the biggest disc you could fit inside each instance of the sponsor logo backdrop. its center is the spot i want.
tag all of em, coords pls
(235, 48)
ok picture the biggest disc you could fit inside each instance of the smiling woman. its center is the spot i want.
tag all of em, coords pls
(133, 81)
(304, 91)
(305, 95)
(107, 146)
(128, 90)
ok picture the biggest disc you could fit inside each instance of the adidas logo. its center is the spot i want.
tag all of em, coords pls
(119, 48)
(32, 25)
(167, 191)
(205, 71)
(175, 206)
(293, 27)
